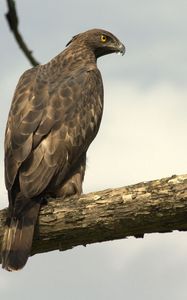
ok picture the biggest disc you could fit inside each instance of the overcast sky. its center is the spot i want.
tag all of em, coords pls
(142, 137)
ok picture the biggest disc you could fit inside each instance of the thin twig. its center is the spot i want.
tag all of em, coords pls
(13, 23)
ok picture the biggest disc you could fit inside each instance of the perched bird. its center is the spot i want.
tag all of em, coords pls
(55, 114)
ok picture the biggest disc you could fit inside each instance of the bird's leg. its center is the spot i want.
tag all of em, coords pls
(73, 185)
(44, 200)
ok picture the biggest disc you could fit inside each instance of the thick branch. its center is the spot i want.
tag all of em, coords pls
(13, 22)
(154, 206)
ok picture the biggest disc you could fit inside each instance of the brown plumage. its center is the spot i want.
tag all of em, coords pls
(54, 116)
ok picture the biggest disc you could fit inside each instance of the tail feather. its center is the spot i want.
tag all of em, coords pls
(18, 238)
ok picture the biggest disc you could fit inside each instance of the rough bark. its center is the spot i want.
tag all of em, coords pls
(146, 207)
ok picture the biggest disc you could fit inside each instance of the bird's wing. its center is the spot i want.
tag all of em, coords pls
(18, 135)
(50, 129)
(28, 113)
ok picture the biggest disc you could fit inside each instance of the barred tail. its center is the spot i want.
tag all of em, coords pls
(18, 238)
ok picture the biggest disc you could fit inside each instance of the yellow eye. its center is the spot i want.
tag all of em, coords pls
(103, 38)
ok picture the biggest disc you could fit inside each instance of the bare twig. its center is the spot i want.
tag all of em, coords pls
(13, 23)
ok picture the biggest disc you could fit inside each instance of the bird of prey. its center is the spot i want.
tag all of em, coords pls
(54, 116)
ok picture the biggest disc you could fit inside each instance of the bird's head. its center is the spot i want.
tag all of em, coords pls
(101, 42)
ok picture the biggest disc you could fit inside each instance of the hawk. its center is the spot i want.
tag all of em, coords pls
(54, 116)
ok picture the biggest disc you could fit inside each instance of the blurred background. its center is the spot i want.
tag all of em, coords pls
(142, 137)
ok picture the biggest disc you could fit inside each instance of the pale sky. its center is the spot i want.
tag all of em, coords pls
(142, 137)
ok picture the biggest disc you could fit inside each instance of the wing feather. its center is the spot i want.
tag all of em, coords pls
(48, 129)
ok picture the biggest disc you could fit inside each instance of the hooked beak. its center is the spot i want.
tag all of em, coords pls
(121, 49)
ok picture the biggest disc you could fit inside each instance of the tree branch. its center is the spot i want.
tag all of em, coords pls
(13, 23)
(154, 206)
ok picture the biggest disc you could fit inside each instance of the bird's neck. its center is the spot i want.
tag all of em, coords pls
(74, 57)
